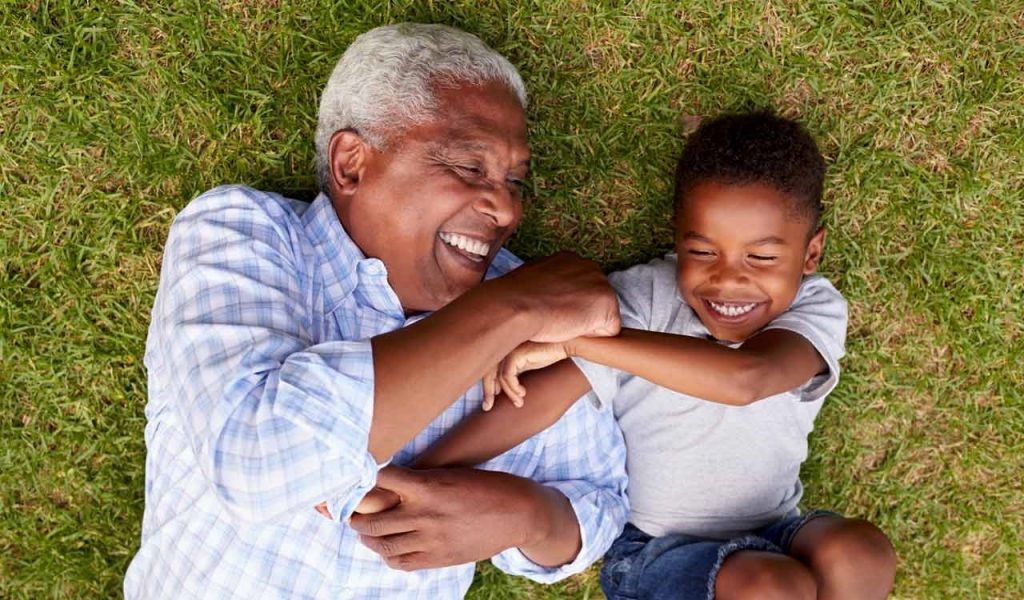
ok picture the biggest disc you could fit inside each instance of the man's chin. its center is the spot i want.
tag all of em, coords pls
(459, 286)
(437, 296)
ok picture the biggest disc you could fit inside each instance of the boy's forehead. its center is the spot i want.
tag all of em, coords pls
(757, 213)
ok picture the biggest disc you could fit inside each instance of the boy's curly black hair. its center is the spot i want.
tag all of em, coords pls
(757, 147)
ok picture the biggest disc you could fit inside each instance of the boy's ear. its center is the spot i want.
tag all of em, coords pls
(347, 154)
(814, 249)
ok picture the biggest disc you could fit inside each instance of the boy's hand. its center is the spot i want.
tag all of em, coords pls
(527, 357)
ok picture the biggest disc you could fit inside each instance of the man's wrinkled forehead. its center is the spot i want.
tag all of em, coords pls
(456, 142)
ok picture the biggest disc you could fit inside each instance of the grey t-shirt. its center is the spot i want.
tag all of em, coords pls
(700, 467)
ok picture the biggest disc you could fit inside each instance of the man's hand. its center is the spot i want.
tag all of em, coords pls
(456, 516)
(527, 357)
(569, 297)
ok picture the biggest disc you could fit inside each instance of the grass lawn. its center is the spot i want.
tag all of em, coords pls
(113, 115)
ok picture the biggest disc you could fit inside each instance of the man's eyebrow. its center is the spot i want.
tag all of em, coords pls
(447, 144)
(468, 145)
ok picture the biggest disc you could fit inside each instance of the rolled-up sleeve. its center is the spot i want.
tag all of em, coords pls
(583, 457)
(276, 422)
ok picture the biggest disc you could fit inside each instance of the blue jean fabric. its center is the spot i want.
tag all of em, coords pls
(642, 567)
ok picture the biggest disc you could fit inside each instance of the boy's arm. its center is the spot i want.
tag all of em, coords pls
(484, 435)
(769, 363)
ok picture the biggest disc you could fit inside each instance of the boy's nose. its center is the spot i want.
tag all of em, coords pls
(727, 272)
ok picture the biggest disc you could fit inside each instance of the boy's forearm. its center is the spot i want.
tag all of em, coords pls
(703, 368)
(484, 435)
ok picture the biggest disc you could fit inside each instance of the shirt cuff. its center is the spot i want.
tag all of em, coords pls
(599, 525)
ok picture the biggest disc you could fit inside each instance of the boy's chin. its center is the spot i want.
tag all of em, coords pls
(732, 335)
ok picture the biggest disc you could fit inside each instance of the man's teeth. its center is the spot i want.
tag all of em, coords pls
(464, 243)
(733, 310)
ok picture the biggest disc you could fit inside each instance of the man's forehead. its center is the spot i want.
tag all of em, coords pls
(474, 141)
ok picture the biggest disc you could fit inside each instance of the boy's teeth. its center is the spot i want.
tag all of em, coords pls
(464, 243)
(733, 310)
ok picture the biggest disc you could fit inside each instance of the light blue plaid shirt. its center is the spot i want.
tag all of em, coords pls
(260, 398)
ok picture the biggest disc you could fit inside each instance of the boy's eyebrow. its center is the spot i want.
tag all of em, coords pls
(772, 239)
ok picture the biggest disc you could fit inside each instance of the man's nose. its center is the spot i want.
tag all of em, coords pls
(501, 205)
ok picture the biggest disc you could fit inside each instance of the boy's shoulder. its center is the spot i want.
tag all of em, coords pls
(817, 290)
(649, 297)
(658, 270)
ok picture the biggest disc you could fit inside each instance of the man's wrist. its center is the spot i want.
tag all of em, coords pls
(507, 306)
(551, 530)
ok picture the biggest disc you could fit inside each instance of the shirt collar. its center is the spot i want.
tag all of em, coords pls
(343, 266)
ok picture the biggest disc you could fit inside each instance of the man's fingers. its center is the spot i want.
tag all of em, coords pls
(376, 500)
(394, 545)
(389, 522)
(414, 561)
(611, 326)
(399, 480)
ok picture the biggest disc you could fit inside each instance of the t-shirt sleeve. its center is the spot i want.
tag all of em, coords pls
(819, 314)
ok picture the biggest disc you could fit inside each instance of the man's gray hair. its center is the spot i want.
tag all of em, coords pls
(387, 79)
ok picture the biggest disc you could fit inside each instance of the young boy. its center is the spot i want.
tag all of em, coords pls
(728, 349)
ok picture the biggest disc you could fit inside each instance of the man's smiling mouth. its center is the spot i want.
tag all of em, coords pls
(472, 249)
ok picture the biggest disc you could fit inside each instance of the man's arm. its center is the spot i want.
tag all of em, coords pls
(278, 423)
(454, 516)
(421, 369)
(769, 363)
(548, 528)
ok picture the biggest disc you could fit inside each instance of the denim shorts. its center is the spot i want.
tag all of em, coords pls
(639, 566)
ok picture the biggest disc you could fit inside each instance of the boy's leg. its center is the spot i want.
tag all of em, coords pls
(693, 568)
(764, 576)
(850, 558)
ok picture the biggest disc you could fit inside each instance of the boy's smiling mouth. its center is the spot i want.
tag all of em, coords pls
(731, 312)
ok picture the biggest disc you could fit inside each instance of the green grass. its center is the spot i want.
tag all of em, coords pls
(114, 114)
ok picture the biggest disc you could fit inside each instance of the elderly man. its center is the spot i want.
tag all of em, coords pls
(296, 349)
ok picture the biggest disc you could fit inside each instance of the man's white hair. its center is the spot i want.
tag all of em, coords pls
(387, 79)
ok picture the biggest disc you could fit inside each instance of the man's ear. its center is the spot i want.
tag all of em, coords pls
(814, 249)
(347, 155)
